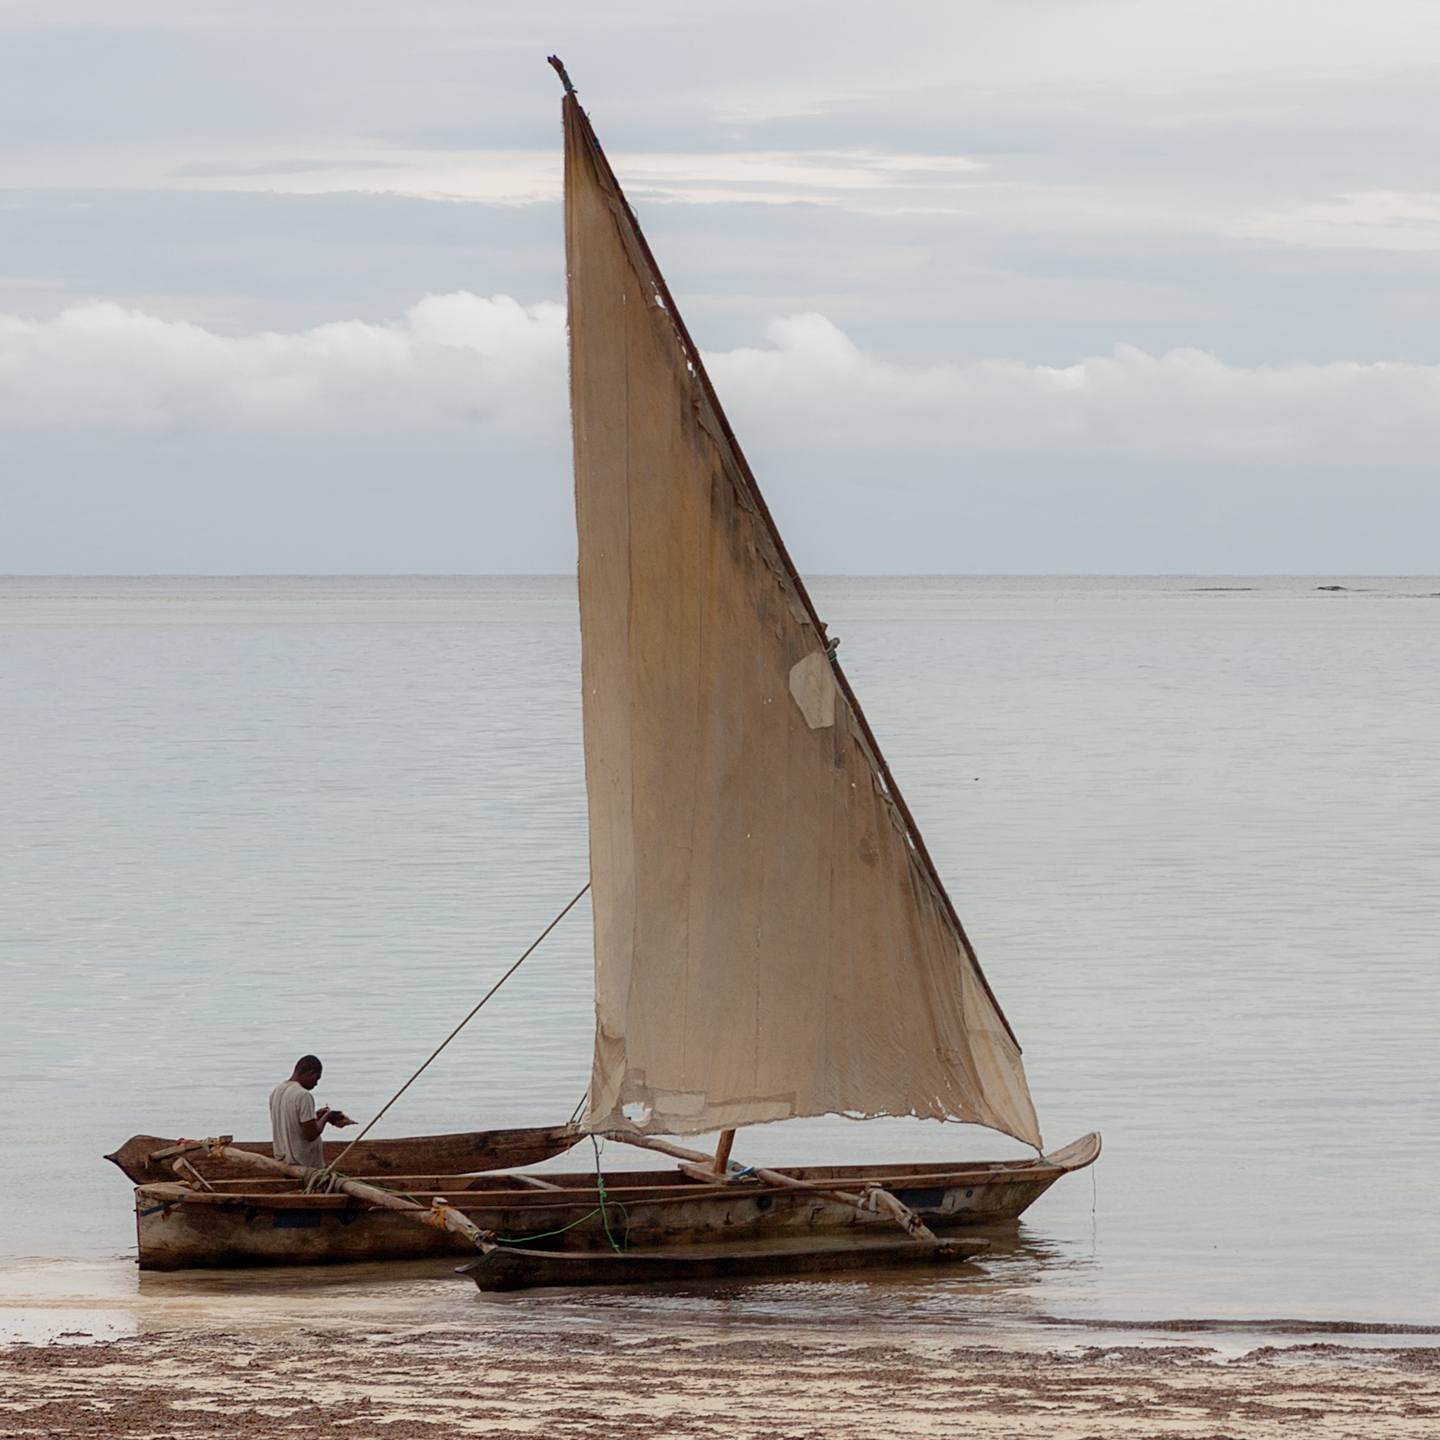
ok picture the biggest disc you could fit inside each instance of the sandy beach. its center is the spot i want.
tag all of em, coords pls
(490, 1380)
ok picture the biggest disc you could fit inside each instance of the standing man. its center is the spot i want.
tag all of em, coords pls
(295, 1124)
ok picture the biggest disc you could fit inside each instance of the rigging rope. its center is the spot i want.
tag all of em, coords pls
(604, 1199)
(380, 1113)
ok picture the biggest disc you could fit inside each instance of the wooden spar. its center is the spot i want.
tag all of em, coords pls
(701, 1167)
(189, 1147)
(181, 1166)
(665, 1147)
(721, 1163)
(440, 1215)
(875, 1197)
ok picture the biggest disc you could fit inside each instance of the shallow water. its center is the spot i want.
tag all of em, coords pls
(1192, 831)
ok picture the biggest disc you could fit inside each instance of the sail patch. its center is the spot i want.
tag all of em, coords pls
(813, 687)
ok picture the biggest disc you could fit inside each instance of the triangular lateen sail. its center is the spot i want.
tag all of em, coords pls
(770, 937)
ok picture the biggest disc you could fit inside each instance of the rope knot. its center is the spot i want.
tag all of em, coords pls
(437, 1213)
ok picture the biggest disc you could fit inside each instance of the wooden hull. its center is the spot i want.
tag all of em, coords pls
(266, 1223)
(507, 1268)
(464, 1154)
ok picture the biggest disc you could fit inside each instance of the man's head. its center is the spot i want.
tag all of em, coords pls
(307, 1071)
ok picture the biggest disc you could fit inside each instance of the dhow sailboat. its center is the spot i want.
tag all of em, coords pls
(772, 938)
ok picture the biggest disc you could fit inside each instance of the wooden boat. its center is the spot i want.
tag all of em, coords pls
(772, 938)
(266, 1222)
(461, 1154)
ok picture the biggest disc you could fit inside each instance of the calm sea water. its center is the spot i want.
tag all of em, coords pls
(1193, 827)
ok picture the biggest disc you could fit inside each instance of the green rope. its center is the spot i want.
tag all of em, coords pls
(336, 1176)
(546, 1234)
(600, 1210)
(604, 1218)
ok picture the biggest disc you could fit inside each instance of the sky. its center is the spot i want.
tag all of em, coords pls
(1020, 286)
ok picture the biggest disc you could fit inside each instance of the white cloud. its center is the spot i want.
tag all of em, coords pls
(453, 358)
(866, 180)
(1129, 405)
(491, 177)
(441, 442)
(1049, 47)
(1363, 220)
(811, 395)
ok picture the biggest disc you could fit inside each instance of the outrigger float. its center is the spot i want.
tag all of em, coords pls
(772, 938)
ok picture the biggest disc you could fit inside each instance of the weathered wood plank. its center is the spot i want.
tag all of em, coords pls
(466, 1153)
(875, 1199)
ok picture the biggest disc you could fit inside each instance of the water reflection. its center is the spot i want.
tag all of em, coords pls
(1005, 1288)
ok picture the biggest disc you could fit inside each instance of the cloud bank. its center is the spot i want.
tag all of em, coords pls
(454, 358)
(498, 367)
(1239, 193)
(1182, 405)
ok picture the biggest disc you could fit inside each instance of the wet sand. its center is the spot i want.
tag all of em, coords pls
(489, 1379)
(407, 1350)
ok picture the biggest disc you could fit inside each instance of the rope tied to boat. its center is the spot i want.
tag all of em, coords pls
(546, 1234)
(379, 1114)
(876, 1198)
(444, 1216)
(326, 1181)
(605, 1200)
(438, 1213)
